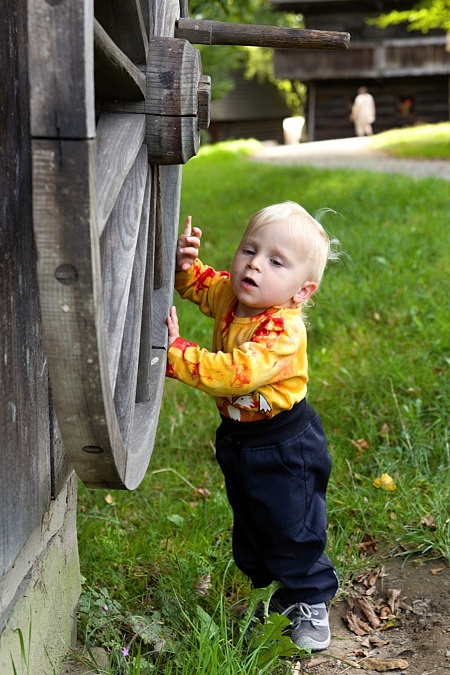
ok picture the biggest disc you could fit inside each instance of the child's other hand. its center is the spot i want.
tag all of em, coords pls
(188, 245)
(172, 325)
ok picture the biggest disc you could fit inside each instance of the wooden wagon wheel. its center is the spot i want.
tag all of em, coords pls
(105, 219)
(116, 103)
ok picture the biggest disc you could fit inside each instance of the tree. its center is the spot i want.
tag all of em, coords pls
(423, 16)
(221, 61)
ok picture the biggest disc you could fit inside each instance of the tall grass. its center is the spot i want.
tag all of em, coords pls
(379, 335)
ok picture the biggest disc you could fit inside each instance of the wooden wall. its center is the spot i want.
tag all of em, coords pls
(32, 465)
(333, 100)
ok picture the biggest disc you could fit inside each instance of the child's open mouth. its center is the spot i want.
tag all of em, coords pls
(248, 282)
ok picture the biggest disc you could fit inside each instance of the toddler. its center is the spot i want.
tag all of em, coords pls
(270, 444)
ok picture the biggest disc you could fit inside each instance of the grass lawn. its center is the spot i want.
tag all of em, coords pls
(159, 558)
(427, 141)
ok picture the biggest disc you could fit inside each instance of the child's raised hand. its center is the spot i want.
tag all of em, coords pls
(172, 325)
(188, 245)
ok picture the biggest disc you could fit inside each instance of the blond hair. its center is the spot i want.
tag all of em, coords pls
(307, 234)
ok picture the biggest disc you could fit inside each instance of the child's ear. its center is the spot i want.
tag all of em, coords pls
(305, 292)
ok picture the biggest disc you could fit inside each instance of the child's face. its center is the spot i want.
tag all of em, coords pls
(268, 270)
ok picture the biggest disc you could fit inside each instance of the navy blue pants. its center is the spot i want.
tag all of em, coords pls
(276, 474)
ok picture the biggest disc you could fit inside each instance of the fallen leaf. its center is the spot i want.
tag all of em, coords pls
(368, 578)
(383, 665)
(385, 429)
(203, 584)
(437, 570)
(377, 641)
(385, 482)
(367, 544)
(361, 444)
(203, 492)
(361, 618)
(109, 499)
(392, 623)
(357, 625)
(392, 597)
(428, 521)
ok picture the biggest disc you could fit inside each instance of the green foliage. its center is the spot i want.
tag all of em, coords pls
(220, 61)
(423, 16)
(379, 351)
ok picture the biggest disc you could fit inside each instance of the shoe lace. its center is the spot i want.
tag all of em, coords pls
(298, 612)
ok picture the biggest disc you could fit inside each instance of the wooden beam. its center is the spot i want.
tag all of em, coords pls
(61, 69)
(222, 33)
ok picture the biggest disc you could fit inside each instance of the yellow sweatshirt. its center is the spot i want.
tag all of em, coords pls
(258, 365)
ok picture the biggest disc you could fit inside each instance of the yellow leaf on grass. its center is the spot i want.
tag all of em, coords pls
(385, 482)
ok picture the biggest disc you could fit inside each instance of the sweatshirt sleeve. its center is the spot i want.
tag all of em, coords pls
(201, 285)
(241, 371)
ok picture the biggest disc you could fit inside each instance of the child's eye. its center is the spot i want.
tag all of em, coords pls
(247, 251)
(276, 262)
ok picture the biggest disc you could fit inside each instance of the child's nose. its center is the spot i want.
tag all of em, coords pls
(254, 262)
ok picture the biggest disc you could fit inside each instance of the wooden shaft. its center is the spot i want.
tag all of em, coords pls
(222, 33)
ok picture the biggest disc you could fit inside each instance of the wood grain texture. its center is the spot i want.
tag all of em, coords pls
(61, 69)
(170, 210)
(118, 247)
(125, 394)
(119, 139)
(223, 33)
(65, 228)
(151, 280)
(25, 436)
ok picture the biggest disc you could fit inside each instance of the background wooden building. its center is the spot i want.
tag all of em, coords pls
(252, 109)
(407, 72)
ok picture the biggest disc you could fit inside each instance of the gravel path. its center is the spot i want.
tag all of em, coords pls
(350, 153)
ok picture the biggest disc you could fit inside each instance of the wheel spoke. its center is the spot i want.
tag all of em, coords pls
(118, 246)
(124, 22)
(119, 139)
(125, 392)
(143, 388)
(162, 297)
(115, 74)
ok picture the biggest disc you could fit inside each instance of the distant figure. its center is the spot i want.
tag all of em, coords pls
(363, 112)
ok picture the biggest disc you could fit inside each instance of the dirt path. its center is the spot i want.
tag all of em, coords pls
(350, 153)
(415, 600)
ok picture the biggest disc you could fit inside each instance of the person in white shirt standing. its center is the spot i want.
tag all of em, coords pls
(363, 112)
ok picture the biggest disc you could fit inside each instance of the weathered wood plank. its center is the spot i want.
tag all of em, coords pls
(70, 296)
(170, 210)
(115, 74)
(61, 69)
(164, 16)
(172, 140)
(145, 423)
(119, 139)
(176, 92)
(223, 33)
(124, 22)
(118, 246)
(143, 385)
(25, 472)
(125, 392)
